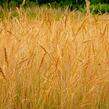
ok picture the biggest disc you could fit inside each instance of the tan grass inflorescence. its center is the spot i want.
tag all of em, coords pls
(54, 59)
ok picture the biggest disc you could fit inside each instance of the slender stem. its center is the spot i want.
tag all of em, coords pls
(23, 3)
(88, 7)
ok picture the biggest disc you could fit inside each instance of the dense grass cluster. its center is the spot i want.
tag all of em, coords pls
(54, 60)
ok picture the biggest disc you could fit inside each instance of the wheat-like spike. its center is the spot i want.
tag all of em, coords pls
(3, 74)
(6, 57)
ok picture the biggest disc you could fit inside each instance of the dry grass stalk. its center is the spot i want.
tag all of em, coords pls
(23, 3)
(6, 57)
(88, 7)
(3, 74)
(43, 57)
(81, 26)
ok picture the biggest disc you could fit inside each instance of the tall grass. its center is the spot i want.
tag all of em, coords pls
(54, 60)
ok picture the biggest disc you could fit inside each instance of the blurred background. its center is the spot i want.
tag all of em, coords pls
(96, 5)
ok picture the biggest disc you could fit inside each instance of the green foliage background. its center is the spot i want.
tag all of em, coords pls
(64, 2)
(96, 5)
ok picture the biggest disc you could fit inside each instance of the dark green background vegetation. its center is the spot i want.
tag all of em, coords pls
(96, 5)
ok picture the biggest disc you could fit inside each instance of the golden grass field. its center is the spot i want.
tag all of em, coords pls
(54, 59)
